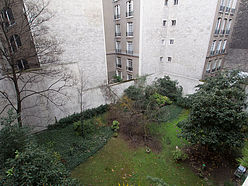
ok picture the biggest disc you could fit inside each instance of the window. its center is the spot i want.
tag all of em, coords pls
(129, 8)
(217, 28)
(223, 26)
(164, 22)
(219, 64)
(173, 22)
(117, 30)
(214, 65)
(118, 47)
(218, 47)
(208, 68)
(169, 59)
(222, 5)
(8, 17)
(129, 64)
(163, 42)
(175, 2)
(228, 6)
(130, 29)
(228, 27)
(161, 59)
(166, 2)
(234, 4)
(129, 76)
(118, 73)
(15, 42)
(22, 64)
(129, 47)
(171, 41)
(224, 46)
(117, 12)
(118, 62)
(212, 48)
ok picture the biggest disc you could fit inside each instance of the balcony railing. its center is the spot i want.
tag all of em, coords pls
(129, 34)
(223, 51)
(118, 51)
(222, 32)
(129, 14)
(217, 52)
(118, 16)
(117, 34)
(118, 65)
(222, 8)
(208, 71)
(130, 68)
(217, 31)
(227, 32)
(130, 52)
(228, 9)
(213, 70)
(233, 10)
(212, 53)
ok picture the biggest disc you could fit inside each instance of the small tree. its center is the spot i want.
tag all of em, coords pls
(217, 118)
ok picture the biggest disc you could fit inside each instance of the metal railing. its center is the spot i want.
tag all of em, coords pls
(129, 14)
(222, 8)
(222, 32)
(217, 31)
(227, 32)
(130, 68)
(129, 34)
(117, 50)
(118, 16)
(117, 34)
(217, 52)
(228, 9)
(223, 51)
(118, 65)
(212, 53)
(129, 52)
(233, 11)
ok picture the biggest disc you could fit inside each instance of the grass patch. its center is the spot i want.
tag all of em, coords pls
(72, 148)
(118, 163)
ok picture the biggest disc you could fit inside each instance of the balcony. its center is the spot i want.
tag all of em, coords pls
(227, 10)
(208, 71)
(118, 16)
(216, 32)
(129, 14)
(217, 52)
(228, 32)
(213, 70)
(222, 8)
(118, 65)
(233, 10)
(129, 52)
(118, 51)
(212, 53)
(129, 34)
(117, 34)
(130, 69)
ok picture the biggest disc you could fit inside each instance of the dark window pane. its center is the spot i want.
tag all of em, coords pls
(18, 40)
(10, 16)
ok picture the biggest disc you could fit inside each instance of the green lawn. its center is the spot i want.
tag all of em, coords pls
(118, 163)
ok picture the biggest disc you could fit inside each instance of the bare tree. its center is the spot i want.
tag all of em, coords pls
(29, 55)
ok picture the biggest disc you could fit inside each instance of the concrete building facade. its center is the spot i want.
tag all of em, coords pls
(181, 38)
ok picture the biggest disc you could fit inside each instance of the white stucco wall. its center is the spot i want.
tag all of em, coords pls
(191, 36)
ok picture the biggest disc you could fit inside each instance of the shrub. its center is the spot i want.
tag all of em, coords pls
(184, 102)
(12, 137)
(134, 93)
(36, 166)
(87, 114)
(115, 126)
(89, 126)
(244, 160)
(161, 100)
(166, 87)
(157, 181)
(179, 155)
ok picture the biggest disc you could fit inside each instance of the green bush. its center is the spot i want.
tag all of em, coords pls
(89, 126)
(115, 126)
(161, 100)
(12, 137)
(166, 87)
(184, 102)
(36, 166)
(244, 160)
(157, 181)
(87, 114)
(179, 155)
(134, 93)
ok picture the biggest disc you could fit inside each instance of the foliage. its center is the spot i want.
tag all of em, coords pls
(74, 149)
(157, 181)
(36, 166)
(167, 87)
(244, 160)
(161, 100)
(179, 155)
(217, 118)
(117, 79)
(184, 102)
(12, 137)
(89, 127)
(87, 114)
(115, 126)
(134, 93)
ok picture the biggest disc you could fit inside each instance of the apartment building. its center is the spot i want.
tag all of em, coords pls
(238, 51)
(15, 37)
(186, 39)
